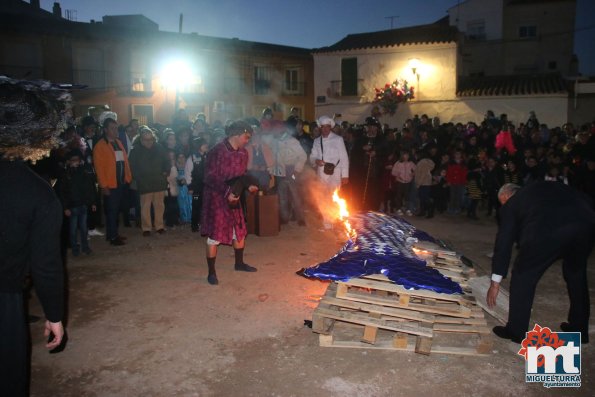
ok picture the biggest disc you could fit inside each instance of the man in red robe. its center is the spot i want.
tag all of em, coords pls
(222, 215)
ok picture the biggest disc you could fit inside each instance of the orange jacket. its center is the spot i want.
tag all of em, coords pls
(104, 160)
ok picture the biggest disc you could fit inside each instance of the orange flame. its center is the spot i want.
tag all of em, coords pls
(344, 214)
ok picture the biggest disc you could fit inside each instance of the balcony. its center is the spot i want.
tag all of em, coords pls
(97, 79)
(346, 88)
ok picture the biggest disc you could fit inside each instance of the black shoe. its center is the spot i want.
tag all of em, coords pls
(161, 231)
(566, 327)
(212, 279)
(117, 241)
(146, 233)
(245, 268)
(504, 333)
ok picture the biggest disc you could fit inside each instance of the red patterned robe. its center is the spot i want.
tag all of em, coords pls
(219, 220)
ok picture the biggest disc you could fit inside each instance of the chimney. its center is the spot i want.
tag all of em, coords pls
(181, 23)
(57, 10)
(35, 4)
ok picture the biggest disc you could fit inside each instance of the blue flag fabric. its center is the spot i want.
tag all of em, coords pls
(384, 246)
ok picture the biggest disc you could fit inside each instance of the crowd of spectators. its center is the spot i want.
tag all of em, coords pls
(423, 168)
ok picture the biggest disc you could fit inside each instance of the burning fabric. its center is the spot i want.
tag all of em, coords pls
(381, 244)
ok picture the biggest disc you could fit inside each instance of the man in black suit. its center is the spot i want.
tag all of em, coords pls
(549, 221)
(31, 217)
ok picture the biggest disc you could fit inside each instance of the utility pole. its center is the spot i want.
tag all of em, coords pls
(392, 19)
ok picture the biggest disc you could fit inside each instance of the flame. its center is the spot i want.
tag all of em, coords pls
(344, 214)
(419, 251)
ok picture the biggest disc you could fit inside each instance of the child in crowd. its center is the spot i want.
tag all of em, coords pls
(511, 173)
(474, 188)
(440, 190)
(553, 174)
(76, 192)
(403, 171)
(184, 198)
(172, 211)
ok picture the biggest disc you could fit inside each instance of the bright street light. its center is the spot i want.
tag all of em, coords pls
(176, 74)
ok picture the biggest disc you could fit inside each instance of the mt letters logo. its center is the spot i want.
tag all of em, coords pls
(552, 358)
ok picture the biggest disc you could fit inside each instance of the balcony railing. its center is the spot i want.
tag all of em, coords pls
(346, 88)
(91, 78)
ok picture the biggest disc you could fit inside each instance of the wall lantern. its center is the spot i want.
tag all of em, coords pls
(414, 65)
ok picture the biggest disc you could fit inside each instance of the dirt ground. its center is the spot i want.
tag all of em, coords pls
(144, 322)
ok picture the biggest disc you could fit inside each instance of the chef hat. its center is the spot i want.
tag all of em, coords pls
(107, 115)
(325, 120)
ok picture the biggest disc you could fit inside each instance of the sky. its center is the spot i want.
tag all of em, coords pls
(301, 23)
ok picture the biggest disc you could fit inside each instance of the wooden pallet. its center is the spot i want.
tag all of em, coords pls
(373, 312)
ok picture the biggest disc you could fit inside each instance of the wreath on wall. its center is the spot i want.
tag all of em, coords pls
(389, 97)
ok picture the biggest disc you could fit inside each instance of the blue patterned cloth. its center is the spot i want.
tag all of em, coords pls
(383, 246)
(184, 200)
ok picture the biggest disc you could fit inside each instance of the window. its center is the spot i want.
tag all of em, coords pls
(143, 113)
(293, 86)
(88, 68)
(349, 77)
(140, 74)
(476, 30)
(527, 31)
(262, 80)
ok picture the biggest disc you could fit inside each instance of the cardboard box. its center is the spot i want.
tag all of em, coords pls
(262, 215)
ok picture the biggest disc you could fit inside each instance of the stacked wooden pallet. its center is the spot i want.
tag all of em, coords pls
(374, 312)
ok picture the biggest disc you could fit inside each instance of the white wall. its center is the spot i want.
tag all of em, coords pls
(435, 80)
(551, 110)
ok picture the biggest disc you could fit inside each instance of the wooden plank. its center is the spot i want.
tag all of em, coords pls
(320, 324)
(391, 287)
(341, 289)
(354, 317)
(451, 309)
(326, 340)
(480, 286)
(371, 332)
(400, 340)
(388, 311)
(460, 328)
(423, 345)
(404, 299)
(388, 345)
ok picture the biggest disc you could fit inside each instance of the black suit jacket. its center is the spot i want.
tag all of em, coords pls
(539, 217)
